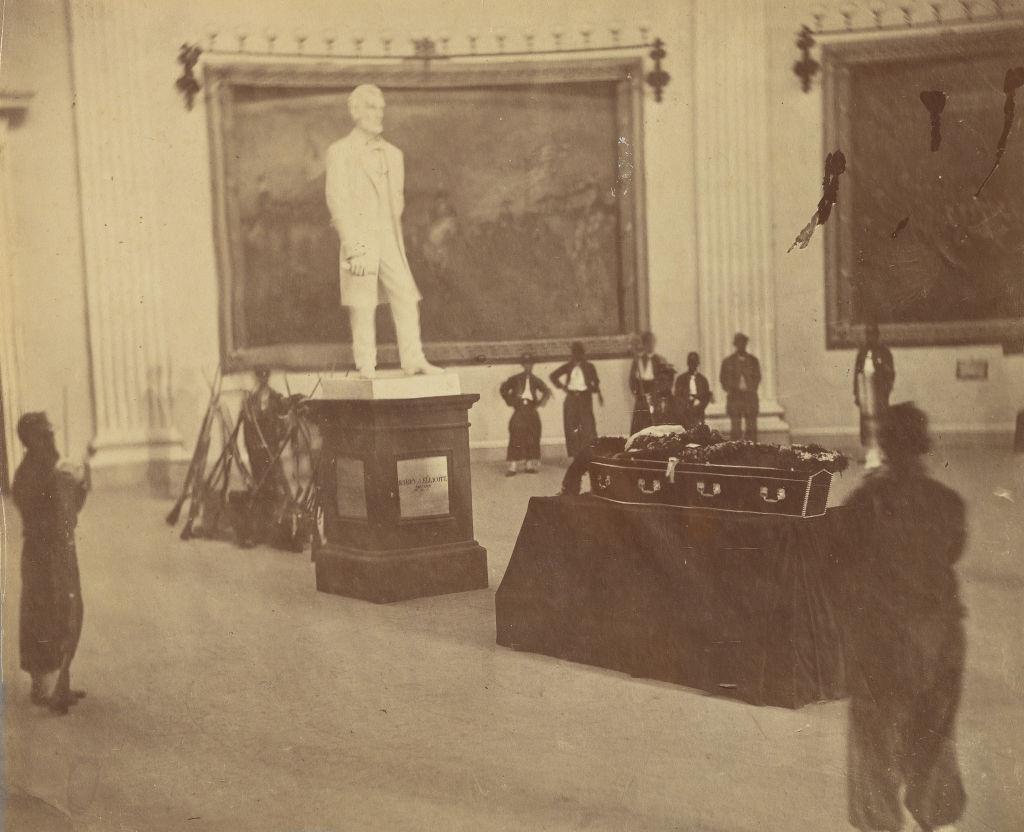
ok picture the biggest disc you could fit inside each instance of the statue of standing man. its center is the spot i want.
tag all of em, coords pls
(365, 194)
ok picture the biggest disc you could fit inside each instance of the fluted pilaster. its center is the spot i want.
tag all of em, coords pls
(11, 349)
(127, 331)
(736, 287)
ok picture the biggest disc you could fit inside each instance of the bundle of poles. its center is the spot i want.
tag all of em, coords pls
(206, 495)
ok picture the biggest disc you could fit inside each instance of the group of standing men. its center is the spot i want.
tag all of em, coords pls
(525, 393)
(659, 397)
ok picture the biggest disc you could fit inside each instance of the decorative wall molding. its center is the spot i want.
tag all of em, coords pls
(419, 50)
(883, 19)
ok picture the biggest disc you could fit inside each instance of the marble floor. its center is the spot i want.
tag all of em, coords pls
(226, 694)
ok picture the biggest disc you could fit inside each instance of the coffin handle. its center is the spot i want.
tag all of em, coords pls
(780, 495)
(707, 493)
(653, 488)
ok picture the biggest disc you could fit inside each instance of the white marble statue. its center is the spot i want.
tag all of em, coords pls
(365, 194)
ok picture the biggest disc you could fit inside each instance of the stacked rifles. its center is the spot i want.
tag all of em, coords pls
(267, 508)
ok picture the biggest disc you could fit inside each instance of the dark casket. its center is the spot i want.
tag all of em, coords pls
(752, 490)
(669, 466)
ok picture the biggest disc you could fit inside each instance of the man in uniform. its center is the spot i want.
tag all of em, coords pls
(524, 393)
(647, 370)
(906, 637)
(48, 499)
(692, 393)
(365, 194)
(741, 376)
(264, 425)
(873, 377)
(578, 378)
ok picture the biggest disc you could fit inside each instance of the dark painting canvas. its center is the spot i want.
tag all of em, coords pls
(955, 268)
(513, 217)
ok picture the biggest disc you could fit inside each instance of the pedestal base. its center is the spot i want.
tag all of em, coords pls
(396, 490)
(400, 574)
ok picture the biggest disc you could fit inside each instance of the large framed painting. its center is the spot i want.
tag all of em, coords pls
(955, 272)
(524, 207)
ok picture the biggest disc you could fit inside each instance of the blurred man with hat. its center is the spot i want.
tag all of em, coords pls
(48, 499)
(906, 637)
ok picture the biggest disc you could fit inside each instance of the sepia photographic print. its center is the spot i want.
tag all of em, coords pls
(447, 415)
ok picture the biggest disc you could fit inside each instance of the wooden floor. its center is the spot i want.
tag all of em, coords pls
(226, 694)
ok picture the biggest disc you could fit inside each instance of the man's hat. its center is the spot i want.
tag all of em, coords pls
(32, 425)
(904, 431)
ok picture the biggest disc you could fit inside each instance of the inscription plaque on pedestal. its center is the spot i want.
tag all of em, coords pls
(423, 487)
(350, 476)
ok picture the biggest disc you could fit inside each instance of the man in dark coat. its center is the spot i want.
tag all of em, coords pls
(524, 393)
(264, 429)
(663, 403)
(264, 426)
(578, 378)
(873, 377)
(741, 376)
(644, 373)
(906, 637)
(48, 500)
(692, 393)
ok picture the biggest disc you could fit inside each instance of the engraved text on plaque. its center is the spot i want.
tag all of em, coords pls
(423, 487)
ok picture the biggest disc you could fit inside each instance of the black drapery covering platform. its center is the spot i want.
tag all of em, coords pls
(736, 605)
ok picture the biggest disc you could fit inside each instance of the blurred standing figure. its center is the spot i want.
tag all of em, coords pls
(741, 376)
(907, 639)
(49, 499)
(643, 375)
(264, 425)
(873, 378)
(663, 404)
(692, 393)
(524, 393)
(578, 378)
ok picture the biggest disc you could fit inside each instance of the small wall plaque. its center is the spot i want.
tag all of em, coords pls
(423, 487)
(350, 487)
(971, 369)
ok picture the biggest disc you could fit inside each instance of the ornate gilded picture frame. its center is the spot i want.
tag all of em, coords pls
(524, 217)
(954, 272)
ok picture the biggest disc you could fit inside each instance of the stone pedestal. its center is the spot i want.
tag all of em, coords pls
(395, 485)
